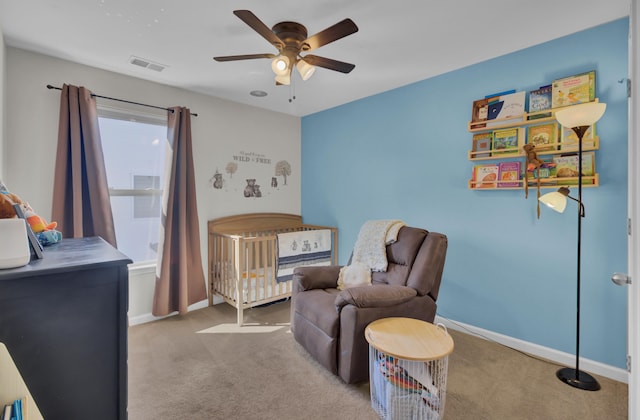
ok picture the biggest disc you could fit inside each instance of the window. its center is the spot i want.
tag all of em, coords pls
(146, 205)
(134, 156)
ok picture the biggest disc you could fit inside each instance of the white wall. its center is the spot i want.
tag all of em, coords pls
(223, 129)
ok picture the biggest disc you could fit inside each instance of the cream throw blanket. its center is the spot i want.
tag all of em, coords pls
(369, 253)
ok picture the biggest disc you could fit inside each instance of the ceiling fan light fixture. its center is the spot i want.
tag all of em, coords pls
(283, 79)
(290, 39)
(305, 69)
(280, 65)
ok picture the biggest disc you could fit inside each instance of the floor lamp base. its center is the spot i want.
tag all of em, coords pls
(582, 380)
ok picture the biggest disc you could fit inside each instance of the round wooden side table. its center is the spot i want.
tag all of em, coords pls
(408, 360)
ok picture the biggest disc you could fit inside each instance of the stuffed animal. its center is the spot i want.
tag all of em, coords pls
(534, 164)
(37, 223)
(45, 232)
(7, 200)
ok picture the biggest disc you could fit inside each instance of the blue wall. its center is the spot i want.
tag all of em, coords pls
(403, 154)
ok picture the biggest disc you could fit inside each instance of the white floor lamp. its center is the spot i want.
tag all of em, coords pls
(578, 118)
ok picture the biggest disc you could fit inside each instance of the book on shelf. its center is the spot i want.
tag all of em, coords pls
(546, 170)
(479, 112)
(540, 100)
(543, 136)
(480, 143)
(573, 90)
(506, 92)
(567, 167)
(569, 138)
(588, 165)
(510, 105)
(507, 141)
(509, 174)
(485, 176)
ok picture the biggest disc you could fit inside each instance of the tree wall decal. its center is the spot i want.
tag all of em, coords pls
(283, 168)
(231, 168)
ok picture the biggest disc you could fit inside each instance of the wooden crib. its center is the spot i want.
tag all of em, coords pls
(243, 256)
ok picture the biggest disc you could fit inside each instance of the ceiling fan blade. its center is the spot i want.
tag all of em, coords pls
(243, 57)
(332, 33)
(257, 25)
(328, 63)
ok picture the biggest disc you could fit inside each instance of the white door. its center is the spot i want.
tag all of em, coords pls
(633, 321)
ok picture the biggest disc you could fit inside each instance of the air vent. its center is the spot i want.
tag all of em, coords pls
(141, 62)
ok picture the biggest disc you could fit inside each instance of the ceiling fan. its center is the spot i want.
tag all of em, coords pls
(290, 39)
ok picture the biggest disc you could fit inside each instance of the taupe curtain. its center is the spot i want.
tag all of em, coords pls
(81, 203)
(179, 276)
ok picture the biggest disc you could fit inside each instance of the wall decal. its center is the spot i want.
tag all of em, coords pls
(283, 168)
(246, 171)
(231, 168)
(252, 189)
(216, 181)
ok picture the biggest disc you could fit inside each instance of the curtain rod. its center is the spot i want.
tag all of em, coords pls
(122, 100)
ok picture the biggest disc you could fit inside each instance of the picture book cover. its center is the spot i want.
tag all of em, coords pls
(567, 167)
(569, 139)
(540, 100)
(588, 167)
(506, 106)
(509, 174)
(547, 170)
(588, 163)
(544, 136)
(480, 110)
(481, 142)
(485, 176)
(506, 142)
(573, 90)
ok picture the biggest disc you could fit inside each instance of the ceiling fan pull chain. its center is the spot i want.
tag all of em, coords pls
(292, 91)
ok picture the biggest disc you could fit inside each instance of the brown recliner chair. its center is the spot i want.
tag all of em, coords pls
(330, 323)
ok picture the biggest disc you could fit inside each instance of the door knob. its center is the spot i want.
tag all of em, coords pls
(621, 279)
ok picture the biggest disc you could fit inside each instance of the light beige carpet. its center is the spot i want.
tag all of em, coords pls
(202, 366)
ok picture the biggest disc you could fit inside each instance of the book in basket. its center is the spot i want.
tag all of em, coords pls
(509, 174)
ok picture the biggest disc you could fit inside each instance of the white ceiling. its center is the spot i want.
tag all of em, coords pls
(398, 42)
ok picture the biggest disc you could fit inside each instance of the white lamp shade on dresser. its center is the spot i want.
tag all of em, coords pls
(14, 243)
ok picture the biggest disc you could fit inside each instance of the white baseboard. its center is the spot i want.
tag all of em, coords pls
(562, 358)
(144, 318)
(597, 368)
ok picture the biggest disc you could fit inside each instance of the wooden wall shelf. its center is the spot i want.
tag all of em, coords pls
(587, 182)
(517, 154)
(585, 148)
